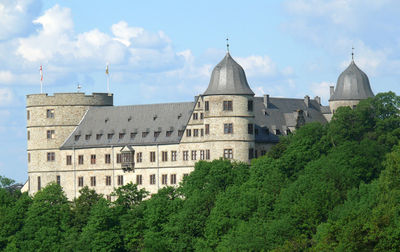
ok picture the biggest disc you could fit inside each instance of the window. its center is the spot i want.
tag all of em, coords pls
(98, 136)
(139, 179)
(196, 132)
(164, 179)
(119, 158)
(194, 154)
(92, 159)
(133, 135)
(39, 183)
(29, 135)
(168, 133)
(69, 160)
(228, 153)
(250, 128)
(121, 135)
(207, 129)
(185, 155)
(87, 137)
(277, 132)
(228, 128)
(207, 154)
(180, 132)
(227, 106)
(93, 181)
(108, 180)
(188, 132)
(206, 106)
(201, 116)
(255, 153)
(185, 175)
(80, 159)
(157, 133)
(144, 134)
(77, 137)
(164, 156)
(50, 113)
(263, 152)
(109, 197)
(201, 132)
(107, 158)
(250, 105)
(198, 104)
(173, 179)
(195, 116)
(139, 157)
(152, 156)
(251, 153)
(288, 132)
(58, 179)
(80, 181)
(173, 155)
(120, 180)
(51, 156)
(110, 136)
(28, 115)
(29, 157)
(201, 154)
(152, 179)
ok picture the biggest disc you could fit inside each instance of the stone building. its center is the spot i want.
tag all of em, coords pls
(81, 140)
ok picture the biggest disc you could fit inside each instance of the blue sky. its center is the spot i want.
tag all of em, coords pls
(164, 51)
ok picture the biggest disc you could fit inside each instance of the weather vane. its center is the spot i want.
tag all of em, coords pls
(227, 44)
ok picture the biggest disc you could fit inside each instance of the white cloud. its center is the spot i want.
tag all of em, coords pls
(6, 96)
(6, 77)
(322, 89)
(256, 65)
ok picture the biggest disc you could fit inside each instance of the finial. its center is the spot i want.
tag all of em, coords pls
(78, 88)
(352, 53)
(227, 45)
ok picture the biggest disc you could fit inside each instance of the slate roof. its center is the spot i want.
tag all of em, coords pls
(352, 84)
(130, 119)
(228, 78)
(280, 114)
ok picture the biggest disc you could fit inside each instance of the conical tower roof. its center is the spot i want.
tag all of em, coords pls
(352, 84)
(228, 78)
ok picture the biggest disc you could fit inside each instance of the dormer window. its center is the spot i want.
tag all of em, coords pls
(133, 135)
(180, 132)
(87, 137)
(121, 135)
(157, 133)
(277, 132)
(98, 136)
(110, 136)
(227, 106)
(77, 137)
(168, 133)
(144, 134)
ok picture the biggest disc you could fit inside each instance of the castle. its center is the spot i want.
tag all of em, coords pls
(81, 140)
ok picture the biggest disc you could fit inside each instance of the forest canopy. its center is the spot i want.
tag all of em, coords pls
(332, 187)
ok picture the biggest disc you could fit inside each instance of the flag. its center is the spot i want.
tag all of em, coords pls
(41, 73)
(107, 69)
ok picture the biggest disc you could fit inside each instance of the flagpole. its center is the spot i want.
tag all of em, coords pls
(41, 79)
(108, 79)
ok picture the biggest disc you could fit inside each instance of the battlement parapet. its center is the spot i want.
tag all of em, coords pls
(69, 99)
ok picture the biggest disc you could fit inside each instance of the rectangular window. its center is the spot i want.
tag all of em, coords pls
(119, 158)
(164, 156)
(188, 132)
(207, 129)
(157, 133)
(201, 116)
(196, 132)
(87, 137)
(202, 155)
(39, 183)
(51, 156)
(185, 155)
(152, 156)
(228, 128)
(98, 136)
(107, 158)
(120, 180)
(92, 159)
(29, 135)
(168, 133)
(121, 135)
(250, 105)
(50, 113)
(288, 132)
(201, 132)
(80, 159)
(180, 132)
(263, 152)
(206, 106)
(194, 154)
(277, 132)
(164, 179)
(144, 134)
(133, 135)
(50, 134)
(173, 179)
(28, 115)
(173, 155)
(195, 116)
(108, 180)
(251, 153)
(80, 181)
(110, 136)
(227, 106)
(69, 160)
(93, 181)
(228, 153)
(139, 179)
(29, 157)
(250, 128)
(77, 137)
(58, 179)
(185, 175)
(207, 154)
(152, 179)
(198, 104)
(139, 157)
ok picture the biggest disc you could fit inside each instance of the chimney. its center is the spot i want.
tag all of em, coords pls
(266, 100)
(318, 100)
(307, 101)
(331, 90)
(195, 98)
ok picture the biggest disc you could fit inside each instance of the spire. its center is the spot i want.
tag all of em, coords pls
(352, 53)
(227, 45)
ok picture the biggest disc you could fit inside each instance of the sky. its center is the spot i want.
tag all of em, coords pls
(164, 51)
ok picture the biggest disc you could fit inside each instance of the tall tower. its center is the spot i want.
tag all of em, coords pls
(352, 86)
(50, 120)
(229, 115)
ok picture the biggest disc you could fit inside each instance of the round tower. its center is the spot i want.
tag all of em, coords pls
(229, 114)
(50, 120)
(352, 86)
